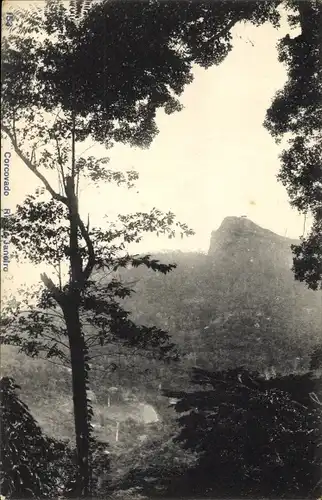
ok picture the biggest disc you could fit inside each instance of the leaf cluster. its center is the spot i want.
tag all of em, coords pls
(32, 465)
(254, 436)
(296, 114)
(120, 63)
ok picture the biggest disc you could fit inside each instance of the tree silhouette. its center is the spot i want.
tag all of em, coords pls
(296, 115)
(296, 112)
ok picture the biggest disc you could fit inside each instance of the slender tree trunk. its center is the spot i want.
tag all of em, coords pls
(78, 351)
(79, 386)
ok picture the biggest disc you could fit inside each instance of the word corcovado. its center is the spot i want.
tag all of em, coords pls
(6, 173)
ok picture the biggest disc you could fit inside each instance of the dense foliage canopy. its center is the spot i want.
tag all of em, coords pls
(119, 63)
(254, 436)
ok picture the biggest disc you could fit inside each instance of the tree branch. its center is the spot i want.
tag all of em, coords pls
(30, 165)
(53, 339)
(306, 13)
(91, 253)
(53, 362)
(227, 28)
(52, 287)
(60, 162)
(42, 312)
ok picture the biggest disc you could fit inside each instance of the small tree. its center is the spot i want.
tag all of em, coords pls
(54, 232)
(46, 327)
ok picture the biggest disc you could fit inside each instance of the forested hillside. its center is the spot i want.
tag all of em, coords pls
(239, 304)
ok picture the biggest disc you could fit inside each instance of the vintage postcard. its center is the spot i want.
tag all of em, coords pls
(161, 249)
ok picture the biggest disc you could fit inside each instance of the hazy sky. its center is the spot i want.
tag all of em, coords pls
(211, 160)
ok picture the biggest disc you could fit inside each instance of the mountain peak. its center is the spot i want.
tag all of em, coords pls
(241, 228)
(234, 223)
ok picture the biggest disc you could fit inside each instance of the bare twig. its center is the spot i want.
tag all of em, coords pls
(53, 339)
(89, 147)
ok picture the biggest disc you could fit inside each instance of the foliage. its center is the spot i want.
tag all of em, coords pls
(32, 464)
(149, 50)
(100, 465)
(150, 466)
(316, 358)
(308, 256)
(40, 327)
(254, 436)
(295, 114)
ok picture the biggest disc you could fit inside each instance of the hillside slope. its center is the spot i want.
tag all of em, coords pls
(238, 304)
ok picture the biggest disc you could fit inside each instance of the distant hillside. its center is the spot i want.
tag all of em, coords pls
(238, 304)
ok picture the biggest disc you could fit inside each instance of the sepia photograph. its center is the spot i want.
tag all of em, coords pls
(161, 250)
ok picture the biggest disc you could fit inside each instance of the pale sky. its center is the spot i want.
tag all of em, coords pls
(211, 160)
